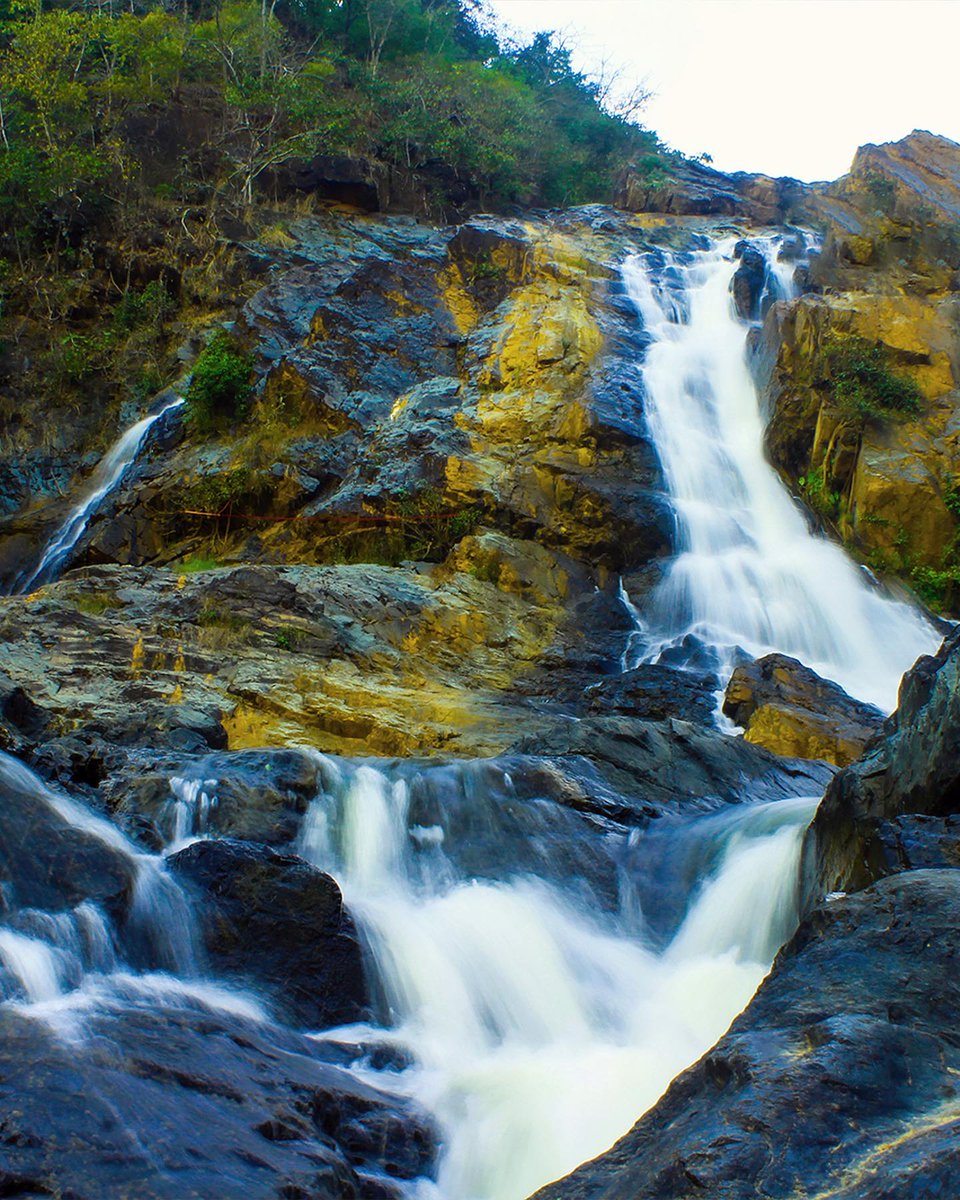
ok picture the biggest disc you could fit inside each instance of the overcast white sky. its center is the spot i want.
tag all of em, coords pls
(785, 87)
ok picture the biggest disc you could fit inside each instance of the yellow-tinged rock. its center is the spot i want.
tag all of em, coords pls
(137, 657)
(897, 499)
(458, 300)
(795, 733)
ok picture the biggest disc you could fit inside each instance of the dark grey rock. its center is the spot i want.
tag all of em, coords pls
(858, 834)
(839, 1079)
(274, 921)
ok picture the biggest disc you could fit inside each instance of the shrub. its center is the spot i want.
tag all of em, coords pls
(864, 386)
(220, 389)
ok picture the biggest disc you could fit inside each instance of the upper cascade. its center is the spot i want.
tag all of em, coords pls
(749, 576)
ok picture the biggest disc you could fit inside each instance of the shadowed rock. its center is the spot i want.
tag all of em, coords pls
(275, 921)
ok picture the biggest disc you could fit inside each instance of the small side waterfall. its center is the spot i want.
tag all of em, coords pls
(107, 476)
(542, 1028)
(749, 575)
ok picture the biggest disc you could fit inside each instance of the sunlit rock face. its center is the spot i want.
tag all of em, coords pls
(885, 288)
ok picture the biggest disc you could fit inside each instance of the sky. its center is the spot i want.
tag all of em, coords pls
(782, 87)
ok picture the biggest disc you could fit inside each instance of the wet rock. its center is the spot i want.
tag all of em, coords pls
(644, 767)
(788, 708)
(252, 795)
(894, 808)
(22, 722)
(187, 1099)
(274, 921)
(853, 1028)
(656, 692)
(748, 281)
(48, 862)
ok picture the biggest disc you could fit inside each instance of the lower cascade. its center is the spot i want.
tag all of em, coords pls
(541, 1026)
(541, 979)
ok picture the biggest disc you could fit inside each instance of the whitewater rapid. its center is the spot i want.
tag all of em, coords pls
(542, 1027)
(749, 574)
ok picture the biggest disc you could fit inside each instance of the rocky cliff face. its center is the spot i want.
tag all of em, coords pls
(448, 430)
(881, 318)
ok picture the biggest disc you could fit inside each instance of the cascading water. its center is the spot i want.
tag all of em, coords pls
(106, 477)
(66, 961)
(542, 976)
(749, 574)
(541, 1033)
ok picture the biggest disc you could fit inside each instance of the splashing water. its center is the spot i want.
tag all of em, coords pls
(749, 575)
(106, 477)
(541, 1033)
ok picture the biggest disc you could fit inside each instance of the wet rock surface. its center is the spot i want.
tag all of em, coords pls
(897, 807)
(850, 1030)
(274, 921)
(788, 708)
(181, 1100)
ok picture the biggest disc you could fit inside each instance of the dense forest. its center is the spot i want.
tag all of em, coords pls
(243, 87)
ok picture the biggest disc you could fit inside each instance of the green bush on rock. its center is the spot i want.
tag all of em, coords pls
(220, 389)
(864, 386)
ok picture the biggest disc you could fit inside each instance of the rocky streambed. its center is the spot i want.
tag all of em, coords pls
(270, 964)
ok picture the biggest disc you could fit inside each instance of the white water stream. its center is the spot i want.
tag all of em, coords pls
(542, 1030)
(749, 573)
(106, 476)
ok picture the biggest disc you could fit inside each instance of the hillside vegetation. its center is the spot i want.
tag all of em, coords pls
(139, 146)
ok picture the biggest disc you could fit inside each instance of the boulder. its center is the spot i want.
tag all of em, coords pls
(642, 768)
(47, 860)
(896, 807)
(656, 692)
(788, 708)
(190, 1095)
(838, 1079)
(748, 281)
(274, 921)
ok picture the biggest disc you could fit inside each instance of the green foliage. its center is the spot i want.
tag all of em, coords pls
(221, 384)
(938, 588)
(951, 498)
(421, 84)
(195, 562)
(216, 493)
(863, 384)
(881, 190)
(147, 307)
(824, 501)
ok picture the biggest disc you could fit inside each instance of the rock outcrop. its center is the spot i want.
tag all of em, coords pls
(897, 808)
(861, 374)
(788, 708)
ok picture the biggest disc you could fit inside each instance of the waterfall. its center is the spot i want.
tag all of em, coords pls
(749, 576)
(106, 476)
(542, 1028)
(59, 957)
